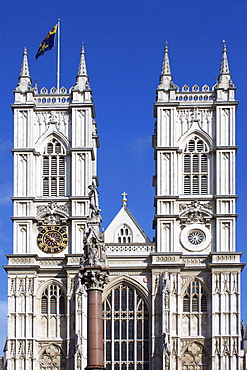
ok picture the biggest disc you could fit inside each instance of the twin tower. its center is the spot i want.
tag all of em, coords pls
(80, 298)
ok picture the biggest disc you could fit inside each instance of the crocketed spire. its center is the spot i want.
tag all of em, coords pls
(166, 70)
(224, 79)
(166, 82)
(24, 78)
(24, 68)
(82, 81)
(82, 70)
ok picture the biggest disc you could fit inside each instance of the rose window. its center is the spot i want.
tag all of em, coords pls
(196, 237)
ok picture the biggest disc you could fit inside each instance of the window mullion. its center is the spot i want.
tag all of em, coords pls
(135, 327)
(112, 329)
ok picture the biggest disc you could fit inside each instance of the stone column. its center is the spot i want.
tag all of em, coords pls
(94, 278)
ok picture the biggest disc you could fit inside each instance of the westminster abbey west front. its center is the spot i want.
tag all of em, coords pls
(83, 299)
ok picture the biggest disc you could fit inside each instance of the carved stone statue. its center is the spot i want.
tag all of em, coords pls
(93, 196)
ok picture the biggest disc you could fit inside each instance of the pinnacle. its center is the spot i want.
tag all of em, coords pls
(224, 68)
(166, 70)
(24, 68)
(82, 70)
(224, 78)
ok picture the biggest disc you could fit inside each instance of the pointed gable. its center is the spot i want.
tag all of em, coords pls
(125, 229)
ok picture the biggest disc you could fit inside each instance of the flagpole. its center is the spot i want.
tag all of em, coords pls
(58, 55)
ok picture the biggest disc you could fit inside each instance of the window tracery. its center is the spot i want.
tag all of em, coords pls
(53, 301)
(126, 330)
(124, 235)
(195, 167)
(54, 169)
(195, 299)
(52, 312)
(195, 358)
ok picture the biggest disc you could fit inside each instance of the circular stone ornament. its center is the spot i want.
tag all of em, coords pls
(195, 238)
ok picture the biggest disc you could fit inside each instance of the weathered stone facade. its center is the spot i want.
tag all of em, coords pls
(173, 303)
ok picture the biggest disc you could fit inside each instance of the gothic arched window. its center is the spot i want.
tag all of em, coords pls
(195, 299)
(126, 330)
(124, 235)
(195, 167)
(53, 301)
(54, 169)
(195, 318)
(52, 312)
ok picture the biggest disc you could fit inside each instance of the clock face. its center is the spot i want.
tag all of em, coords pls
(52, 239)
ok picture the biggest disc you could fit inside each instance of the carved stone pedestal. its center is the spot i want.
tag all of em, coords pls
(94, 278)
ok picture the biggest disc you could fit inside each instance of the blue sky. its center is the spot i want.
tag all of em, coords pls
(124, 43)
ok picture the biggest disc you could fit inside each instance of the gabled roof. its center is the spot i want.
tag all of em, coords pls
(125, 218)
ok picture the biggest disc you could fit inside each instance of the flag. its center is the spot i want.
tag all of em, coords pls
(47, 43)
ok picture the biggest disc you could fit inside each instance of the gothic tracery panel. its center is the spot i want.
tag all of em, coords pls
(126, 329)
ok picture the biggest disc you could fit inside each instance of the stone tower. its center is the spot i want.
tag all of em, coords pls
(170, 304)
(55, 180)
(195, 198)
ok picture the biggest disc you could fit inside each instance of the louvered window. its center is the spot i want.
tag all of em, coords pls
(195, 299)
(54, 167)
(187, 166)
(204, 303)
(44, 305)
(204, 185)
(195, 189)
(195, 167)
(53, 301)
(126, 330)
(186, 303)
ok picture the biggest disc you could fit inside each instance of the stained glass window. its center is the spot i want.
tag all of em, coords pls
(126, 342)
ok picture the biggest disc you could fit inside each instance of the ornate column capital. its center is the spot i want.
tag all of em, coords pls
(94, 277)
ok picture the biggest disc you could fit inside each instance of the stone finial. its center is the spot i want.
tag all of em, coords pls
(224, 67)
(166, 70)
(82, 81)
(224, 79)
(82, 70)
(24, 78)
(24, 68)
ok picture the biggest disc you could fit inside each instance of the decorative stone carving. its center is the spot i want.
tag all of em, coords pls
(226, 346)
(217, 284)
(235, 283)
(52, 214)
(94, 214)
(195, 354)
(94, 248)
(226, 283)
(30, 287)
(195, 212)
(95, 279)
(12, 287)
(12, 351)
(29, 349)
(217, 346)
(21, 288)
(21, 260)
(174, 347)
(21, 349)
(52, 358)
